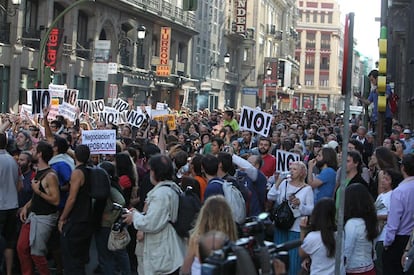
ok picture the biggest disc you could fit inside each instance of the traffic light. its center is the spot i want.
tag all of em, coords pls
(281, 72)
(190, 5)
(48, 76)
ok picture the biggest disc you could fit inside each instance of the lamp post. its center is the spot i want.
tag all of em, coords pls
(227, 58)
(265, 81)
(43, 42)
(142, 31)
(11, 11)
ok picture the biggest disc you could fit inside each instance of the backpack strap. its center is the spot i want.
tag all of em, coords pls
(299, 189)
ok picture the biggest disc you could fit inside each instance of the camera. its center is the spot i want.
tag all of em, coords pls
(119, 223)
(224, 260)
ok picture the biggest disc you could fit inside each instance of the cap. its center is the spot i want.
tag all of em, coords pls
(407, 131)
(332, 144)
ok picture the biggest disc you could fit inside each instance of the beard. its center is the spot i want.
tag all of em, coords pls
(24, 168)
(263, 151)
(319, 164)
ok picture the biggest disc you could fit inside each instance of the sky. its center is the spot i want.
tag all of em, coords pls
(366, 29)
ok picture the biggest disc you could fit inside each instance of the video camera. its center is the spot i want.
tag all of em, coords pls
(119, 222)
(224, 260)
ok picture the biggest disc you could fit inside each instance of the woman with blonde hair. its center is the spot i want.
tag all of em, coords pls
(214, 215)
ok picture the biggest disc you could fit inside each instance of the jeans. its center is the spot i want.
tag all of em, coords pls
(111, 261)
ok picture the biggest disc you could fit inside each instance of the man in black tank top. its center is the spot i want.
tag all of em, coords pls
(75, 223)
(38, 225)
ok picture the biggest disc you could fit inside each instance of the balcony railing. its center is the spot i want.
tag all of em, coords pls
(31, 38)
(166, 10)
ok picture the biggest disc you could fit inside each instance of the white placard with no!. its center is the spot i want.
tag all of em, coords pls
(100, 141)
(284, 159)
(256, 121)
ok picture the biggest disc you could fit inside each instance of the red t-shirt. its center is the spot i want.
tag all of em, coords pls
(269, 165)
(125, 182)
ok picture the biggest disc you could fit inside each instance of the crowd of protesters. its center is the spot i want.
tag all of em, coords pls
(44, 185)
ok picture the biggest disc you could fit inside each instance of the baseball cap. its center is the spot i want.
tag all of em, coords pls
(407, 131)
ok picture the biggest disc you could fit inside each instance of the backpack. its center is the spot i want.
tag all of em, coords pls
(235, 200)
(393, 101)
(100, 183)
(243, 183)
(189, 206)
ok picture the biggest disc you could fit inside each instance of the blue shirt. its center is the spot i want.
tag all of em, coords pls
(328, 179)
(373, 97)
(63, 172)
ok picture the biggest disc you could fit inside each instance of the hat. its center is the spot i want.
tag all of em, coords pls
(332, 144)
(407, 131)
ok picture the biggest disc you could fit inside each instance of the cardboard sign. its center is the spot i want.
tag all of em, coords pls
(68, 111)
(109, 115)
(135, 119)
(283, 160)
(120, 105)
(147, 108)
(40, 99)
(100, 141)
(255, 121)
(57, 90)
(70, 96)
(54, 109)
(170, 121)
(97, 106)
(155, 113)
(26, 110)
(161, 106)
(84, 106)
(123, 117)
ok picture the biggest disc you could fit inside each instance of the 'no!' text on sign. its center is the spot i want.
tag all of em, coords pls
(255, 121)
(284, 159)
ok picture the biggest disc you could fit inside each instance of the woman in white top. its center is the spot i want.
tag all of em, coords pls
(319, 243)
(301, 204)
(215, 215)
(388, 179)
(360, 230)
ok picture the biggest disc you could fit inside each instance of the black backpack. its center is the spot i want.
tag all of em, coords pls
(189, 206)
(100, 183)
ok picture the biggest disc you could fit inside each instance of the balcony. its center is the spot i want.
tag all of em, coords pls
(166, 10)
(31, 38)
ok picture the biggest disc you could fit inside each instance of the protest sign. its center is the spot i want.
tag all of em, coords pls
(255, 121)
(147, 108)
(100, 141)
(57, 90)
(170, 120)
(70, 96)
(68, 111)
(84, 106)
(109, 116)
(97, 106)
(40, 100)
(135, 119)
(283, 160)
(54, 109)
(123, 117)
(161, 106)
(155, 113)
(26, 110)
(120, 105)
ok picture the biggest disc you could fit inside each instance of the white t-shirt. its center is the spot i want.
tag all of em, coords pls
(382, 204)
(314, 247)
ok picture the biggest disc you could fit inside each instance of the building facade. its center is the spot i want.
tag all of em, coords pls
(23, 29)
(320, 54)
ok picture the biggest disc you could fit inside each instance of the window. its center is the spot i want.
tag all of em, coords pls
(307, 17)
(325, 41)
(155, 47)
(82, 41)
(310, 40)
(310, 61)
(30, 29)
(82, 84)
(324, 63)
(4, 88)
(322, 18)
(330, 18)
(309, 78)
(315, 18)
(58, 9)
(324, 80)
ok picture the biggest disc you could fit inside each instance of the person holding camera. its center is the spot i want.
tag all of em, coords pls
(301, 201)
(163, 249)
(214, 215)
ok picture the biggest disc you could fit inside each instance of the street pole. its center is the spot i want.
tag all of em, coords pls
(264, 95)
(43, 42)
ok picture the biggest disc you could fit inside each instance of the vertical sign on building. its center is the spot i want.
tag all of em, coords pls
(52, 47)
(241, 16)
(163, 69)
(101, 59)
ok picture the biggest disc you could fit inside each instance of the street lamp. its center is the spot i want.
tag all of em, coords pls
(11, 11)
(265, 81)
(227, 58)
(142, 31)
